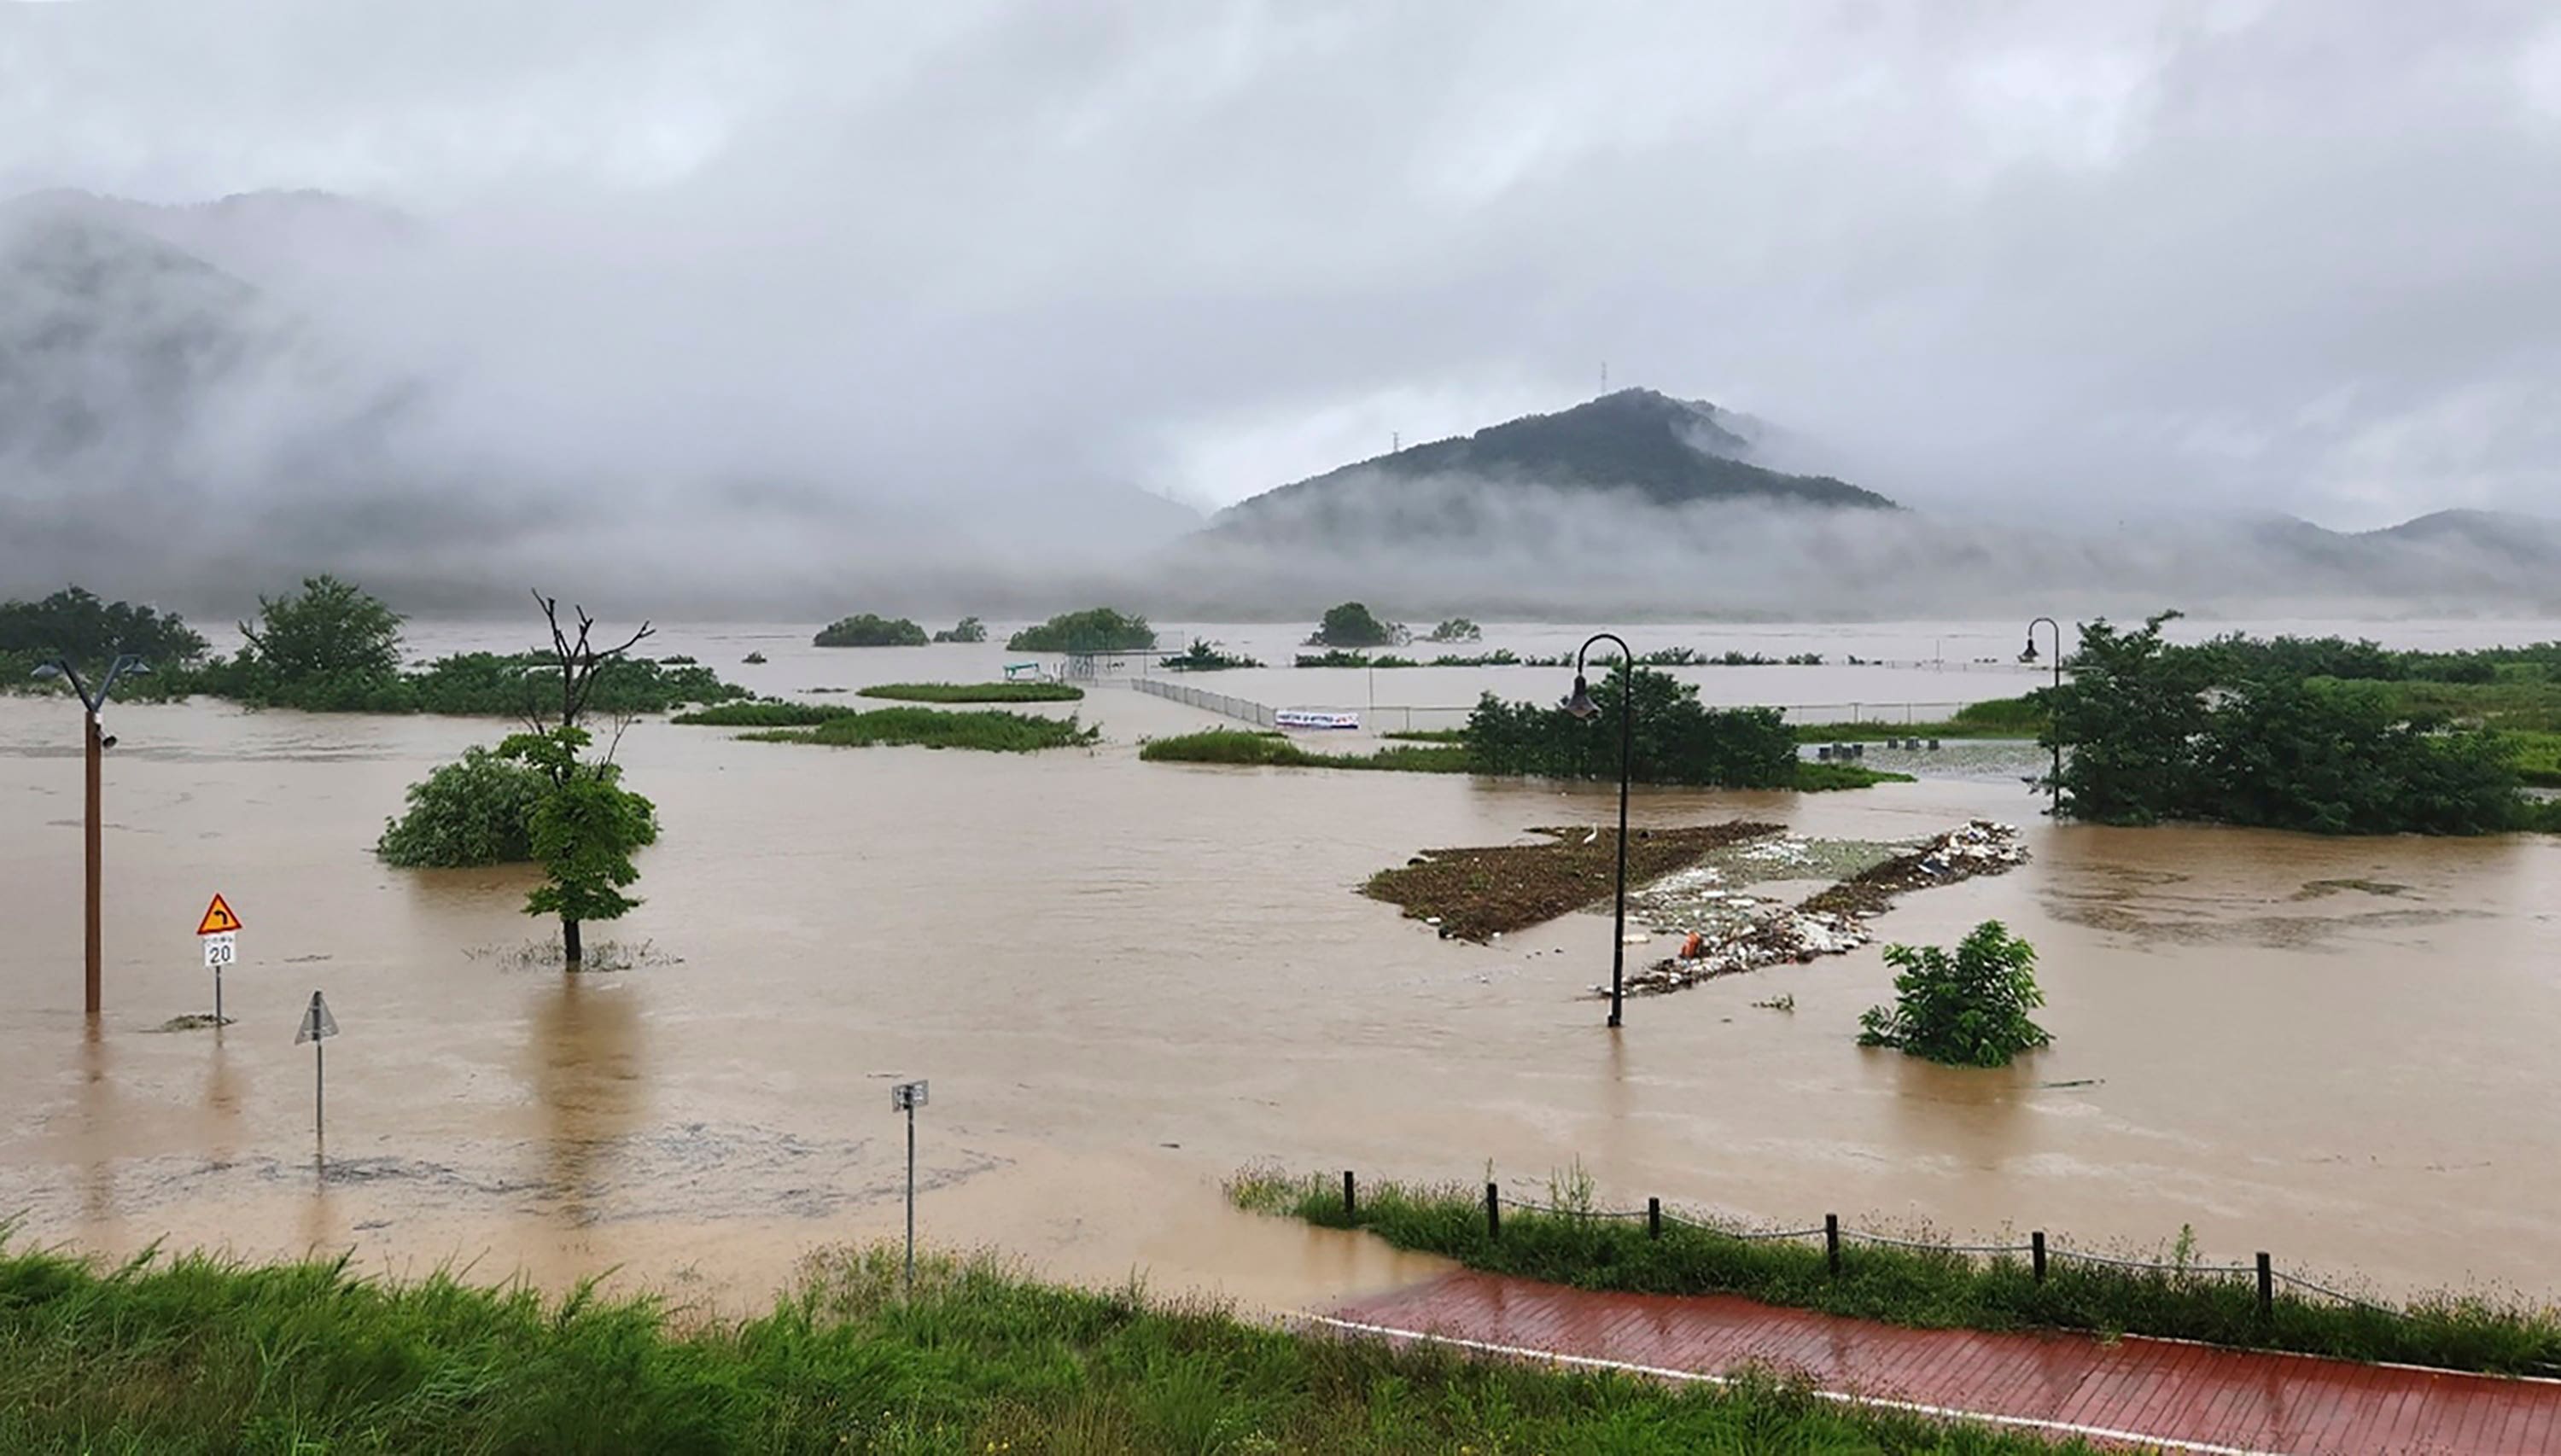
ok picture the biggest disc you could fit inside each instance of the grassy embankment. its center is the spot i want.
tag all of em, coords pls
(932, 728)
(975, 692)
(1417, 752)
(199, 1354)
(1927, 1288)
(1473, 893)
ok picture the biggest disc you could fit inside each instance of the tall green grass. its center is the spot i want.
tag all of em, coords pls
(200, 1354)
(975, 692)
(1269, 750)
(1929, 1287)
(762, 715)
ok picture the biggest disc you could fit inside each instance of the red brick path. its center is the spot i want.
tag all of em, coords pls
(2135, 1391)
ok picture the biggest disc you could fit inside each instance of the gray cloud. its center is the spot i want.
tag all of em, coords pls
(765, 297)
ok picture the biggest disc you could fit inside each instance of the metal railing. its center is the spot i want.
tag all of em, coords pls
(1241, 708)
(1835, 1236)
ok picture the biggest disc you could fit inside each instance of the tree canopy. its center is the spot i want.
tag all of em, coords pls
(1678, 740)
(1096, 629)
(869, 630)
(1350, 624)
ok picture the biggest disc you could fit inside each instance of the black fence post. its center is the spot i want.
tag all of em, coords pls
(1831, 1241)
(1350, 1207)
(1493, 1211)
(1653, 1217)
(2036, 1253)
(2267, 1286)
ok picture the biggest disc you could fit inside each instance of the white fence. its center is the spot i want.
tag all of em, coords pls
(1218, 702)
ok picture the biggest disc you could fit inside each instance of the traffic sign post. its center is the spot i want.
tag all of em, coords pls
(219, 930)
(318, 1026)
(906, 1097)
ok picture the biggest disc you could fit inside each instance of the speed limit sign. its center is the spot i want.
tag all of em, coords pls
(221, 950)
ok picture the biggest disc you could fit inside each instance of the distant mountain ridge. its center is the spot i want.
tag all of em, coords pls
(1636, 442)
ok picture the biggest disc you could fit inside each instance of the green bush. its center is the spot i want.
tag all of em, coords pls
(466, 813)
(1098, 629)
(968, 629)
(868, 630)
(1457, 629)
(1968, 1010)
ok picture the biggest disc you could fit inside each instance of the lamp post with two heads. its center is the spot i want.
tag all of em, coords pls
(98, 740)
(1580, 704)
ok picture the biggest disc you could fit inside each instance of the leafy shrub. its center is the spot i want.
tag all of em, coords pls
(970, 629)
(765, 714)
(1457, 629)
(990, 729)
(1096, 629)
(1968, 1010)
(868, 630)
(466, 813)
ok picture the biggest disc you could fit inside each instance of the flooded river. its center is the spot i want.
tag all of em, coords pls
(1127, 980)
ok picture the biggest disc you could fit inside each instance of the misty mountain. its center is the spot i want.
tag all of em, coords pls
(1639, 446)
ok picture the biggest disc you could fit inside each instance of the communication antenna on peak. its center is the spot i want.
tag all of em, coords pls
(1604, 376)
(1394, 440)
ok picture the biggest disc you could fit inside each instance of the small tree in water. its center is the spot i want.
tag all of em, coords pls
(584, 829)
(1968, 1010)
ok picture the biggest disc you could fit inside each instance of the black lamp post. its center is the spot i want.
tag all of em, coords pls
(97, 743)
(1582, 707)
(2054, 783)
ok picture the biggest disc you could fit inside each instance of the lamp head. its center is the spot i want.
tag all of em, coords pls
(46, 672)
(2030, 654)
(1581, 704)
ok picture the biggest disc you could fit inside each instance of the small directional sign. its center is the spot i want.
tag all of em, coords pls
(316, 1022)
(905, 1096)
(218, 920)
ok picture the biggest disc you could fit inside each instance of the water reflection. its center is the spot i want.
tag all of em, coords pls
(585, 1061)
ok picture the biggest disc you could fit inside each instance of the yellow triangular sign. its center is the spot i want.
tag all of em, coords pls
(219, 919)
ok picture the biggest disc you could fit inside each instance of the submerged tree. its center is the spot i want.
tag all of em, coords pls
(585, 825)
(583, 829)
(1968, 1010)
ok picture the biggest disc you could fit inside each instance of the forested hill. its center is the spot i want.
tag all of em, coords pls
(1667, 451)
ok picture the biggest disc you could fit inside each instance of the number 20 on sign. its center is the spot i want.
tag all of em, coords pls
(219, 931)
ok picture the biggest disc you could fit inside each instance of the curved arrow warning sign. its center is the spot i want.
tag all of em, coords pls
(219, 919)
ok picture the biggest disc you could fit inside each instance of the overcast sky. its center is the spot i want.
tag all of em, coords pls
(2070, 258)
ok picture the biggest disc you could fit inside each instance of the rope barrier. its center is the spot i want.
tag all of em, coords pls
(2065, 1253)
(1938, 1249)
(2349, 1299)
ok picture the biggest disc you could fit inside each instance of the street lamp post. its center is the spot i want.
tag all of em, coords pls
(2054, 782)
(1582, 707)
(97, 742)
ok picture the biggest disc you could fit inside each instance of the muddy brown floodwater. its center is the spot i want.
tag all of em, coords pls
(1125, 980)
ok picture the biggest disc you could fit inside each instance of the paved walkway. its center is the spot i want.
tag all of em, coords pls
(2133, 1391)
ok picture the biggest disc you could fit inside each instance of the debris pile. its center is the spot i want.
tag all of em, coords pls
(1735, 933)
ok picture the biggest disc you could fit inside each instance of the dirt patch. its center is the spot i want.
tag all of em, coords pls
(1479, 893)
(1979, 848)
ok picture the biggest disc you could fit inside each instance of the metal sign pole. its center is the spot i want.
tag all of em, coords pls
(910, 1199)
(319, 1091)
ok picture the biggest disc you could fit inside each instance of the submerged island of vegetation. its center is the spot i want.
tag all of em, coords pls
(329, 647)
(989, 728)
(973, 692)
(1096, 629)
(868, 630)
(2321, 735)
